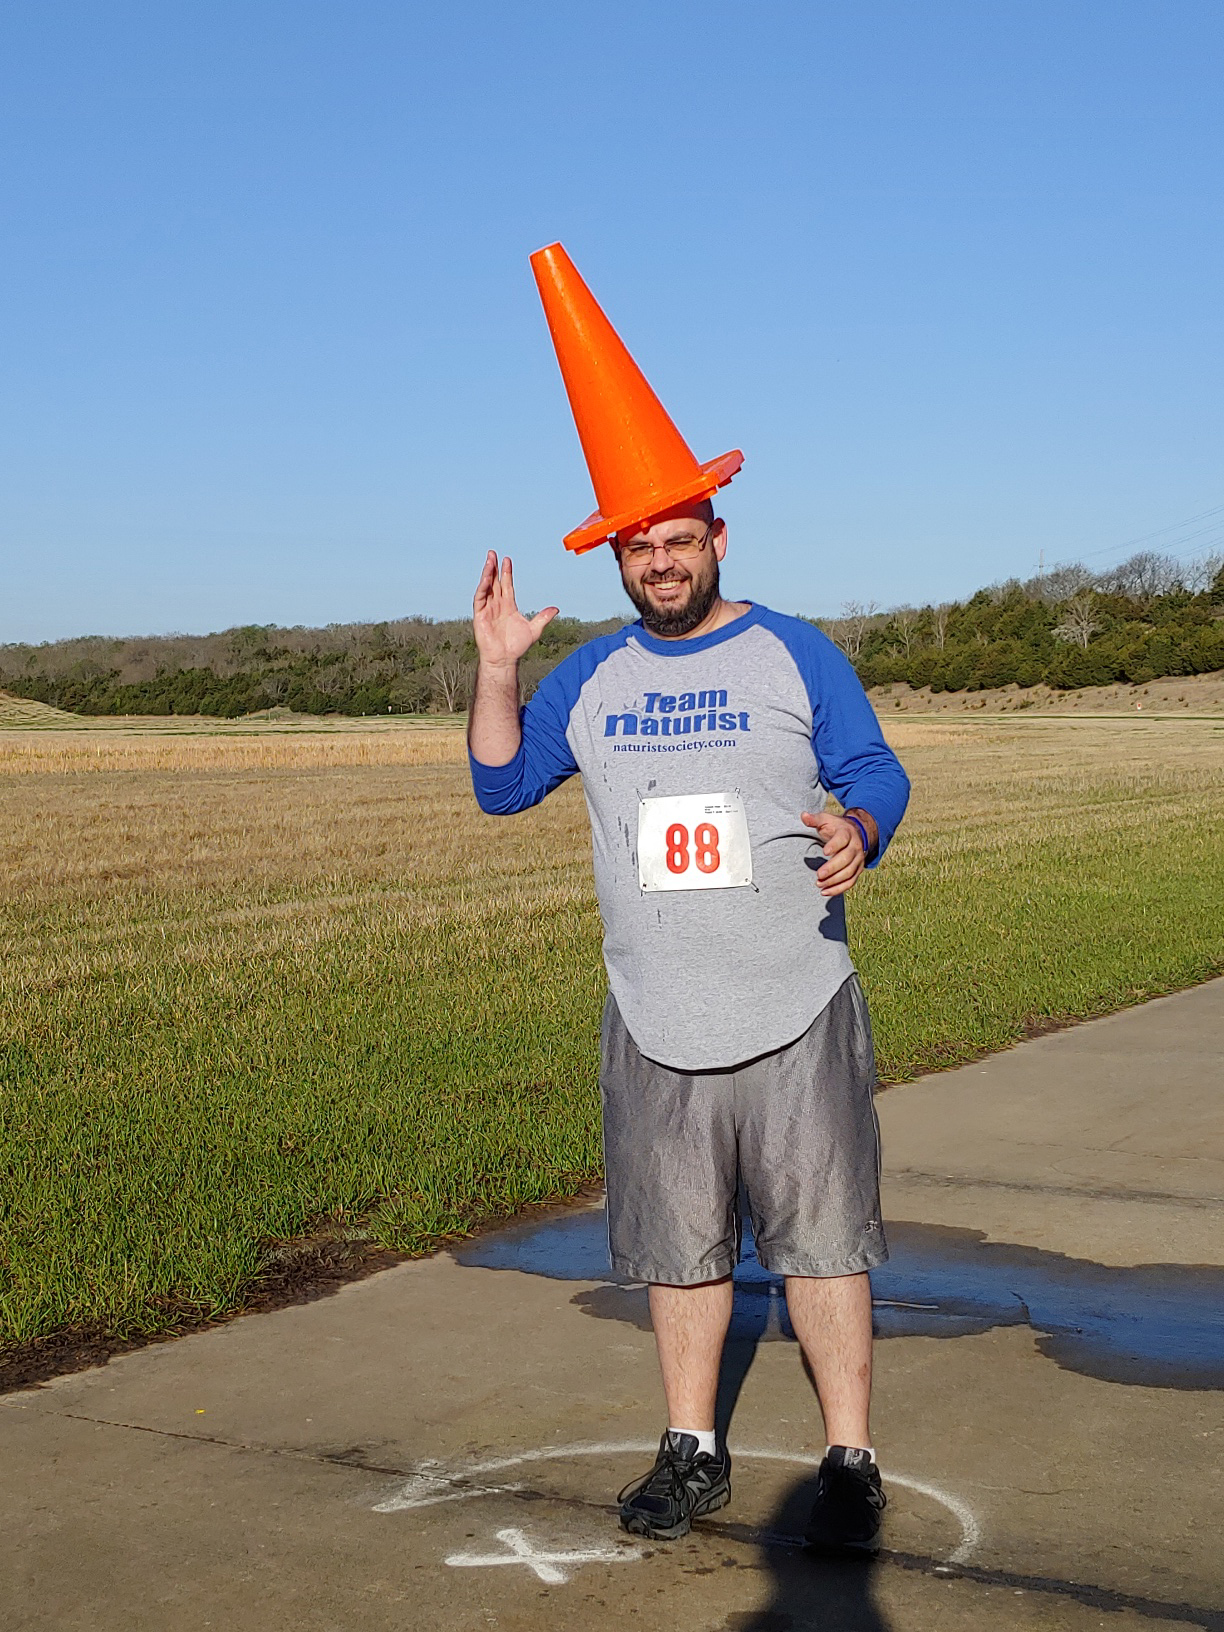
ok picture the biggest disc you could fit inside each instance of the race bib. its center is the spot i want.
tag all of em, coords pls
(693, 841)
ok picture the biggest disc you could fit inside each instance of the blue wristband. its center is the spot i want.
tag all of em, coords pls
(863, 831)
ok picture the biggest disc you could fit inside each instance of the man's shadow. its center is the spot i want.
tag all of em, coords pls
(806, 1590)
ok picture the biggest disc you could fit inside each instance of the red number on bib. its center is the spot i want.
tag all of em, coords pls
(677, 848)
(705, 843)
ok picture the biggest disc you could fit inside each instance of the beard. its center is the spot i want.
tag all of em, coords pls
(685, 616)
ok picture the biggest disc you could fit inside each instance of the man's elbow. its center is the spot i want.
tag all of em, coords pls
(499, 801)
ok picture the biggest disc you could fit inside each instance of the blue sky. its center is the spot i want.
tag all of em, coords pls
(949, 273)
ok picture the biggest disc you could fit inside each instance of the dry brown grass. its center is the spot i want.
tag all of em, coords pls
(114, 846)
(60, 752)
(244, 837)
(1033, 771)
(249, 820)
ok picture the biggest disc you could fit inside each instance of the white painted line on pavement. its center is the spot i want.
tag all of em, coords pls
(428, 1488)
(544, 1564)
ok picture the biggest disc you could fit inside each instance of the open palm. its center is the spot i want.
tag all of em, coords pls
(502, 633)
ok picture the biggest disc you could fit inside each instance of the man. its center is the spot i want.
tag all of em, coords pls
(736, 1044)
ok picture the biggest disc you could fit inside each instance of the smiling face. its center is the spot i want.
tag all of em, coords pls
(675, 593)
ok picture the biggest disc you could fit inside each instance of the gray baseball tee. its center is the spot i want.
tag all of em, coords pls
(698, 758)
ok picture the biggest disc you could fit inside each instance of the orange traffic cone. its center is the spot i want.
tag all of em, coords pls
(640, 464)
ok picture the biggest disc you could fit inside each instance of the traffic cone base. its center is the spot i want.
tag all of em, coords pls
(640, 465)
(597, 529)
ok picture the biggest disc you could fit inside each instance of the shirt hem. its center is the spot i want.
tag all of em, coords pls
(769, 1044)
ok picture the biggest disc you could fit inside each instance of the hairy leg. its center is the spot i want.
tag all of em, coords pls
(690, 1326)
(832, 1320)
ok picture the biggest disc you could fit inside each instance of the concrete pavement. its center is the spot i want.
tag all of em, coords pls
(439, 1446)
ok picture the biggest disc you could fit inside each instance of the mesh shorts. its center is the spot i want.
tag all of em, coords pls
(796, 1129)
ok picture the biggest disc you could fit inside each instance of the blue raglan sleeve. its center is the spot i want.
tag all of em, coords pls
(544, 759)
(856, 764)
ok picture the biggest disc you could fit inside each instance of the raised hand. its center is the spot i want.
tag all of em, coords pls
(502, 633)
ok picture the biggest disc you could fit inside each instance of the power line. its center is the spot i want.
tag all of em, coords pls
(1173, 527)
(1198, 550)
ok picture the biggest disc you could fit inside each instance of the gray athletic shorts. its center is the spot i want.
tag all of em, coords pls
(796, 1128)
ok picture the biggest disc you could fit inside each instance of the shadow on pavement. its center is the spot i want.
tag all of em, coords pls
(808, 1593)
(805, 1591)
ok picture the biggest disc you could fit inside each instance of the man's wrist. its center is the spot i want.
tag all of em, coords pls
(497, 679)
(869, 831)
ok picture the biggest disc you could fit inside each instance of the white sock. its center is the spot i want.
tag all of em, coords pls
(870, 1449)
(703, 1436)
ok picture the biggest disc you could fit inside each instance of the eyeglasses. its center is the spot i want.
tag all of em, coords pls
(682, 548)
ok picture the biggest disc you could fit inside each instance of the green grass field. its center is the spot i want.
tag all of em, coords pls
(246, 995)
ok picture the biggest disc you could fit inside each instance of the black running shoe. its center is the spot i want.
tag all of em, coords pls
(849, 1505)
(684, 1484)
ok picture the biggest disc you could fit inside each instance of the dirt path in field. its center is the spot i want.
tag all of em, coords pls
(438, 1446)
(1187, 695)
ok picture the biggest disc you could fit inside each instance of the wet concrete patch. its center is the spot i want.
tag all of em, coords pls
(1155, 1325)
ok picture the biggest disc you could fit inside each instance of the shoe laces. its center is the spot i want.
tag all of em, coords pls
(665, 1479)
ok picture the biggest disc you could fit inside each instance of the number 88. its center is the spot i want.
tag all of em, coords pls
(705, 846)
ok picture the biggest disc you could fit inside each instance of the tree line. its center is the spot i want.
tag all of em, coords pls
(1067, 627)
(403, 666)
